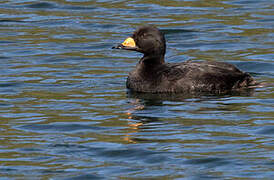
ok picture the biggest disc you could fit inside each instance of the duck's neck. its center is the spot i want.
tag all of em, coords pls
(152, 60)
(148, 66)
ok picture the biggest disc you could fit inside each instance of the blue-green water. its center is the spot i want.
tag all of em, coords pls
(65, 112)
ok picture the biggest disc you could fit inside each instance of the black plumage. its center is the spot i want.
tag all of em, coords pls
(153, 75)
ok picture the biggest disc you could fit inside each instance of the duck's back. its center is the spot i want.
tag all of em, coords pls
(190, 76)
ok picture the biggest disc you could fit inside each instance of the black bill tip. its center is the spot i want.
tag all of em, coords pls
(119, 46)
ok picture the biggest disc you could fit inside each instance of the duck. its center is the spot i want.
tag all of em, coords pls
(153, 75)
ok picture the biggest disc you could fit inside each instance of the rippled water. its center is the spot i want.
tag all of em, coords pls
(65, 112)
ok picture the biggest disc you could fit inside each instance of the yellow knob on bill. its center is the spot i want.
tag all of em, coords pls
(129, 42)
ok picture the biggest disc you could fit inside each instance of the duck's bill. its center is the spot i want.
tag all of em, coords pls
(128, 44)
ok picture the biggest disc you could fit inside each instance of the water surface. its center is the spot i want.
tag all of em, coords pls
(65, 112)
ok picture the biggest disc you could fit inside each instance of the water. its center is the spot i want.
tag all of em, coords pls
(65, 112)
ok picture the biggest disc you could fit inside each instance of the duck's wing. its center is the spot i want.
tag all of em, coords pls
(207, 76)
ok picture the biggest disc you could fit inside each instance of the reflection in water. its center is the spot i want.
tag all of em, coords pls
(136, 122)
(158, 98)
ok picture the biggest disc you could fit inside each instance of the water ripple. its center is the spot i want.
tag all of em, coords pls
(65, 112)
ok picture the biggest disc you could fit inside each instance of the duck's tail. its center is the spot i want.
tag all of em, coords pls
(248, 82)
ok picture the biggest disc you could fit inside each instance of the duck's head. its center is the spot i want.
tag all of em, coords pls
(147, 40)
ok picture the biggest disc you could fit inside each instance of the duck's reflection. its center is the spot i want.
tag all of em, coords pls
(140, 115)
(137, 124)
(157, 99)
(137, 116)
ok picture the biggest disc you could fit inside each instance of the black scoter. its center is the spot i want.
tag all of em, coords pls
(153, 75)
